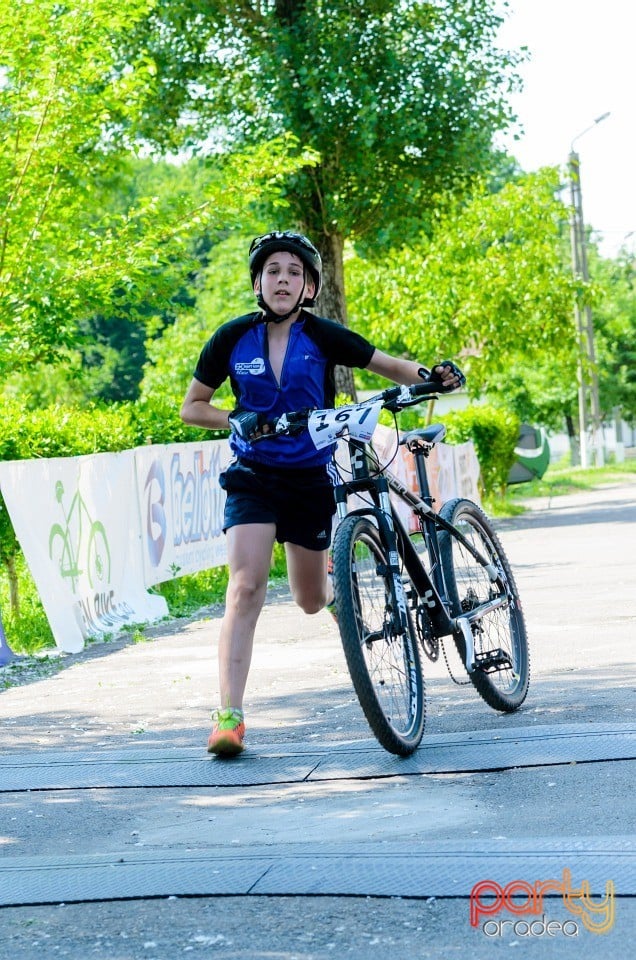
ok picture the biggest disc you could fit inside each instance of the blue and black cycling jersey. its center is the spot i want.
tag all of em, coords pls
(239, 350)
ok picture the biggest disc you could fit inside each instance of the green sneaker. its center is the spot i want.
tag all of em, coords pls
(226, 739)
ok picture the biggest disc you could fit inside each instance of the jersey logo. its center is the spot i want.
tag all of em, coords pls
(255, 367)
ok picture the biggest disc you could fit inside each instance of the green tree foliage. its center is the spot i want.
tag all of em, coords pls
(545, 391)
(490, 285)
(399, 100)
(111, 349)
(494, 433)
(223, 291)
(68, 105)
(614, 317)
(107, 358)
(59, 97)
(541, 392)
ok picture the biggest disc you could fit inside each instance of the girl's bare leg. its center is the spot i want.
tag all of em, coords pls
(249, 549)
(307, 572)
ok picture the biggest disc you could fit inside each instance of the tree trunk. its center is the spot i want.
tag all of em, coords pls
(332, 302)
(575, 452)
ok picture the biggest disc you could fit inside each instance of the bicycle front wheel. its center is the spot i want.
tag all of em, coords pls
(382, 657)
(502, 673)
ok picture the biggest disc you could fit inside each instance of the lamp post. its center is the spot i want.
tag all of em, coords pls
(587, 372)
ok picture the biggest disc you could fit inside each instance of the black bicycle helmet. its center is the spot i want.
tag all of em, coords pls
(262, 247)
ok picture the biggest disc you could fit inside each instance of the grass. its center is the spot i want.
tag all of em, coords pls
(560, 479)
(30, 633)
(185, 595)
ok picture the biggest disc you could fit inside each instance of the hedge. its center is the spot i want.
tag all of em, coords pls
(495, 433)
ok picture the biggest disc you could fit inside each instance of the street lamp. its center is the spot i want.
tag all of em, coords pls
(583, 317)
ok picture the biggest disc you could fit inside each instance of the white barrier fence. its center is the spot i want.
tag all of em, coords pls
(181, 508)
(98, 530)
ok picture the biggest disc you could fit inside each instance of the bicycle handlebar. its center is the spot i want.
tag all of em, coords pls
(418, 392)
(393, 398)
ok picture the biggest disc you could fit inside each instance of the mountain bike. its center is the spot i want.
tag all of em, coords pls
(398, 594)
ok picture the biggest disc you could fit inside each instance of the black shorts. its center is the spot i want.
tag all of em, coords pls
(300, 502)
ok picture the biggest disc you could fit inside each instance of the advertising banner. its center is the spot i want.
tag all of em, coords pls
(453, 471)
(77, 521)
(181, 507)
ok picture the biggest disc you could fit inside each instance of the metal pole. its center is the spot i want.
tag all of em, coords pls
(584, 323)
(597, 419)
(578, 316)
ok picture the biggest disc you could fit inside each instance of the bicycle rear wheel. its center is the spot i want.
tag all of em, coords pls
(383, 659)
(501, 643)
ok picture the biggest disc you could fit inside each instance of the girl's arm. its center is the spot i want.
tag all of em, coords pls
(197, 410)
(408, 371)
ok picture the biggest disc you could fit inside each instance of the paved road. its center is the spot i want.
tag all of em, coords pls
(102, 765)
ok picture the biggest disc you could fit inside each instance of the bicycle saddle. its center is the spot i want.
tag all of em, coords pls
(425, 437)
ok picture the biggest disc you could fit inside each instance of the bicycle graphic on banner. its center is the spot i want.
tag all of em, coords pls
(80, 546)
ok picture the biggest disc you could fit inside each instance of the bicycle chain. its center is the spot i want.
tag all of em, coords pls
(460, 683)
(431, 646)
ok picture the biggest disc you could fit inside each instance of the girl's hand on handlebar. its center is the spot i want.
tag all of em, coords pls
(248, 425)
(256, 426)
(446, 375)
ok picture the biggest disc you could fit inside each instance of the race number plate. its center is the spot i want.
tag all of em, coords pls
(359, 420)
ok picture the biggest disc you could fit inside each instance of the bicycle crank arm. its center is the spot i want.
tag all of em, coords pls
(487, 607)
(464, 622)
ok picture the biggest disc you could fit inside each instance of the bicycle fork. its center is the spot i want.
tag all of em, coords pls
(382, 513)
(393, 556)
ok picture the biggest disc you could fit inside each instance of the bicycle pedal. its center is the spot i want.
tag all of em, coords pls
(493, 660)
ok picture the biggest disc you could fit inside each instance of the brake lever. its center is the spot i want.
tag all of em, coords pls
(285, 425)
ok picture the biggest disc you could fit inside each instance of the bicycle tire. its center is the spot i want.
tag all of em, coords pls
(385, 668)
(503, 629)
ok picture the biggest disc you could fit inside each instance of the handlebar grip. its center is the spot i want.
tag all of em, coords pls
(423, 389)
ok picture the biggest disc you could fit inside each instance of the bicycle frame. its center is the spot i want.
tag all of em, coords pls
(430, 589)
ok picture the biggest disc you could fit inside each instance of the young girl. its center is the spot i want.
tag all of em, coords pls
(279, 359)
